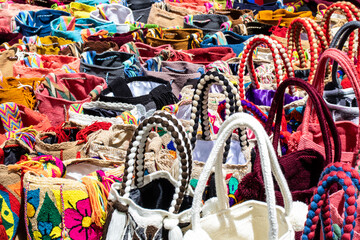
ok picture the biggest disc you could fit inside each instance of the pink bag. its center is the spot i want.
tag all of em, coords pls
(56, 64)
(58, 92)
(348, 131)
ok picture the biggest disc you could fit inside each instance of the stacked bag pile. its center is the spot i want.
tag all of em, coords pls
(179, 119)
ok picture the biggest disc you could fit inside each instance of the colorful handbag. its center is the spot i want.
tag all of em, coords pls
(141, 9)
(167, 16)
(338, 94)
(161, 216)
(78, 30)
(226, 39)
(236, 16)
(76, 49)
(115, 13)
(32, 23)
(72, 206)
(178, 73)
(42, 65)
(58, 92)
(179, 39)
(348, 130)
(137, 35)
(306, 163)
(207, 23)
(219, 221)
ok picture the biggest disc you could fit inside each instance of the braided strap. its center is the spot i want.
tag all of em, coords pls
(134, 165)
(281, 60)
(317, 40)
(351, 13)
(348, 178)
(200, 103)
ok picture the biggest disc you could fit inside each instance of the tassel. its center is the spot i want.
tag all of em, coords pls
(82, 134)
(174, 230)
(117, 226)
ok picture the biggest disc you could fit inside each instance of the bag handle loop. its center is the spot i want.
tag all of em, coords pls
(269, 165)
(278, 53)
(322, 113)
(338, 42)
(134, 164)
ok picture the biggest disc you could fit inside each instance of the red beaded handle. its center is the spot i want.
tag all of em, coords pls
(317, 40)
(280, 57)
(351, 13)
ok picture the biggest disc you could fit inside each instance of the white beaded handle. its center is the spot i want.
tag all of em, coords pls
(269, 164)
(134, 165)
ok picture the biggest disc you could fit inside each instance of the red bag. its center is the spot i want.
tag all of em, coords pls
(348, 131)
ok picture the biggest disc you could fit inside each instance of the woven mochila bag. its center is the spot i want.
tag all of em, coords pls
(72, 206)
(153, 206)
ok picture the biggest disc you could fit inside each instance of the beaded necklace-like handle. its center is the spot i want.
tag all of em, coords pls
(134, 165)
(351, 13)
(348, 178)
(281, 59)
(317, 40)
(339, 41)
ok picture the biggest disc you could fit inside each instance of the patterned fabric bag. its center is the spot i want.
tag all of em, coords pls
(208, 23)
(134, 214)
(58, 92)
(72, 206)
(179, 39)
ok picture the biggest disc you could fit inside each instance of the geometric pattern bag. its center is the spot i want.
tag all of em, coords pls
(218, 221)
(140, 210)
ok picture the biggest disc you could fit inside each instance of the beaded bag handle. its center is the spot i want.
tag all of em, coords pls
(319, 208)
(279, 55)
(351, 13)
(317, 40)
(339, 41)
(349, 69)
(322, 113)
(199, 110)
(134, 165)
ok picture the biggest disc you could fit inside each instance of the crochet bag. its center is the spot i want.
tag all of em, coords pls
(305, 164)
(204, 129)
(338, 94)
(262, 94)
(348, 131)
(179, 39)
(78, 30)
(11, 224)
(32, 23)
(167, 16)
(141, 9)
(208, 23)
(226, 39)
(111, 66)
(151, 92)
(115, 13)
(319, 43)
(178, 73)
(218, 221)
(97, 111)
(236, 16)
(20, 91)
(8, 59)
(72, 206)
(41, 65)
(321, 208)
(135, 214)
(110, 144)
(17, 117)
(245, 4)
(58, 92)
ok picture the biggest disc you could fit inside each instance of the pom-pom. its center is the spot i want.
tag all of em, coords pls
(297, 216)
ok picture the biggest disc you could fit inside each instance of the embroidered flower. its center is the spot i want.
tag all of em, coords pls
(79, 222)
